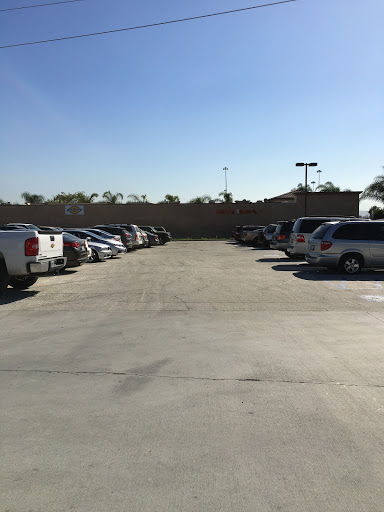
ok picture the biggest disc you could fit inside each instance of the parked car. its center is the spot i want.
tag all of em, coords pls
(98, 251)
(246, 236)
(137, 239)
(145, 238)
(347, 246)
(236, 232)
(303, 229)
(244, 230)
(268, 233)
(161, 229)
(117, 247)
(280, 238)
(125, 236)
(163, 235)
(75, 250)
(27, 254)
(104, 234)
(152, 239)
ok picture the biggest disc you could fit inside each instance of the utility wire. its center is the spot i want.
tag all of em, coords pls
(147, 26)
(39, 5)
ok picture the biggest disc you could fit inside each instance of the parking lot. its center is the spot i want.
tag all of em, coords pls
(194, 376)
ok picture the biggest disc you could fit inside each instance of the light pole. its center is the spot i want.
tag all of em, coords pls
(225, 169)
(319, 173)
(313, 183)
(306, 183)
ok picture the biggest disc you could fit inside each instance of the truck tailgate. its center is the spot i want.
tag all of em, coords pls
(50, 245)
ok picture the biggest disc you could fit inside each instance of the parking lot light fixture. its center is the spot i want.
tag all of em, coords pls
(302, 164)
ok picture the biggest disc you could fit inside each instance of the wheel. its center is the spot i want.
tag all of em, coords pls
(94, 256)
(289, 255)
(351, 264)
(22, 282)
(4, 277)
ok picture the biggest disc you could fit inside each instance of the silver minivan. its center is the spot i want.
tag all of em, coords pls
(302, 231)
(347, 246)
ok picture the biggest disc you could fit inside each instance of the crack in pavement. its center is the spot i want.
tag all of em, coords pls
(183, 377)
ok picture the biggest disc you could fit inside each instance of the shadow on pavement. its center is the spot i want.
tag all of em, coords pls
(312, 273)
(11, 295)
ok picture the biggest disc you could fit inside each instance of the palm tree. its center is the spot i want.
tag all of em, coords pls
(227, 197)
(76, 197)
(328, 186)
(375, 190)
(375, 212)
(112, 198)
(32, 198)
(301, 188)
(135, 198)
(201, 199)
(170, 199)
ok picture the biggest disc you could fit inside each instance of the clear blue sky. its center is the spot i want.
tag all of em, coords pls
(163, 110)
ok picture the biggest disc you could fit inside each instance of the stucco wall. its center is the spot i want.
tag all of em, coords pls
(185, 219)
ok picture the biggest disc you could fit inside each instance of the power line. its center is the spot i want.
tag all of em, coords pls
(148, 26)
(39, 5)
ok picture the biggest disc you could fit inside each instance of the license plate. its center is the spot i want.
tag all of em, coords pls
(312, 248)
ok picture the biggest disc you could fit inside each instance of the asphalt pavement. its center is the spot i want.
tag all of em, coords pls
(193, 376)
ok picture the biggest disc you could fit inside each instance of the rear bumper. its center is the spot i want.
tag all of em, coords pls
(46, 266)
(322, 260)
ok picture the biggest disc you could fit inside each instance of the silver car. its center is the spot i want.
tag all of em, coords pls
(99, 251)
(347, 246)
(302, 231)
(117, 247)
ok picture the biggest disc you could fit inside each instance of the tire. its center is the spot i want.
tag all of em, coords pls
(94, 257)
(22, 283)
(351, 264)
(289, 255)
(4, 277)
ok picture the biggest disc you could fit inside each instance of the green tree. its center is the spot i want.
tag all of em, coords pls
(201, 199)
(375, 190)
(170, 199)
(112, 198)
(328, 186)
(2, 201)
(301, 188)
(32, 198)
(76, 197)
(227, 197)
(376, 213)
(135, 198)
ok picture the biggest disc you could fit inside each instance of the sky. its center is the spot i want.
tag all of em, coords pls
(162, 110)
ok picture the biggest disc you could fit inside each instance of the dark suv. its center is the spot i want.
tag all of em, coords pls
(280, 238)
(164, 236)
(126, 238)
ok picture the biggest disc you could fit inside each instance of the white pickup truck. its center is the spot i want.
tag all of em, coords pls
(27, 254)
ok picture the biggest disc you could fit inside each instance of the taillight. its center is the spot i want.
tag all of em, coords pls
(116, 238)
(32, 247)
(325, 245)
(76, 245)
(300, 238)
(137, 236)
(280, 237)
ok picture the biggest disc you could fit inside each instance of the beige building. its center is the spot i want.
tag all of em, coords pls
(183, 220)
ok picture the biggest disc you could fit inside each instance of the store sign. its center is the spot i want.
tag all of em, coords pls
(74, 209)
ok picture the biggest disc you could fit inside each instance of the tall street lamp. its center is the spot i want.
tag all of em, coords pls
(319, 173)
(306, 183)
(225, 169)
